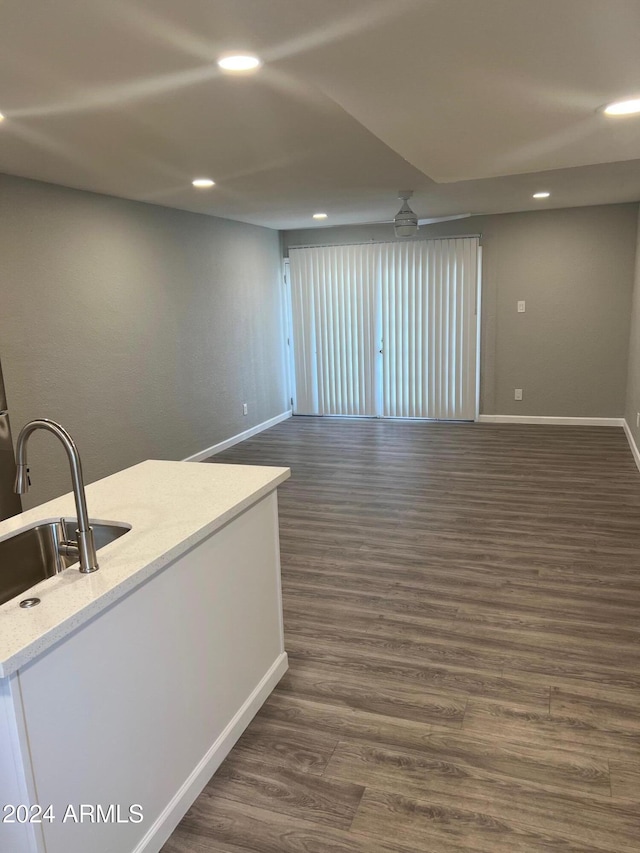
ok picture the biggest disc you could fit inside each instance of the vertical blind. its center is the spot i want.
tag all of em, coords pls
(332, 296)
(386, 329)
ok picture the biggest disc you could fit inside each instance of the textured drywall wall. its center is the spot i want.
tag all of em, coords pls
(633, 383)
(574, 269)
(142, 329)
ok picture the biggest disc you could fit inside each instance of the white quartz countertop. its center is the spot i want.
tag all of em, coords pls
(170, 506)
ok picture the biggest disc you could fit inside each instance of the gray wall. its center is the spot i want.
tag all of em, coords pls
(141, 329)
(574, 268)
(633, 386)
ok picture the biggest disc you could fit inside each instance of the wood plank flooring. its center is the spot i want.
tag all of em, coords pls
(462, 617)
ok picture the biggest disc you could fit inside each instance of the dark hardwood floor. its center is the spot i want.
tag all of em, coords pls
(462, 617)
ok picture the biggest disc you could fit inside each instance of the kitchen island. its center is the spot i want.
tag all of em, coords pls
(123, 690)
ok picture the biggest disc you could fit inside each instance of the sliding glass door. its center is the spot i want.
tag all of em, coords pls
(386, 329)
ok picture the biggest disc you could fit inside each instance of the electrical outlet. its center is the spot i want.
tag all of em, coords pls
(521, 306)
(245, 408)
(518, 394)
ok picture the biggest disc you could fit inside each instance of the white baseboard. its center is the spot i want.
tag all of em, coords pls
(632, 444)
(535, 419)
(236, 439)
(176, 809)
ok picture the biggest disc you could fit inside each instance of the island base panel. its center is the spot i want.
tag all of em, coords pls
(141, 705)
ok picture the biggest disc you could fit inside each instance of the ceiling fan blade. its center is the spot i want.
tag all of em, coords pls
(443, 218)
(431, 221)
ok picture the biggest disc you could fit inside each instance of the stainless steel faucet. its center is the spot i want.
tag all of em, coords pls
(84, 534)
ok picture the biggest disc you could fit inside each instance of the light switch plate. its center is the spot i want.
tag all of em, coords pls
(521, 306)
(518, 394)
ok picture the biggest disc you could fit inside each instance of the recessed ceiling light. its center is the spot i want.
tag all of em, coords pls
(623, 108)
(2, 117)
(541, 195)
(203, 183)
(239, 62)
(319, 215)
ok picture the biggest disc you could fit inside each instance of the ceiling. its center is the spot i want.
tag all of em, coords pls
(474, 104)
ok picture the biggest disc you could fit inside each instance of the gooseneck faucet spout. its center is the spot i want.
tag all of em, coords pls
(85, 542)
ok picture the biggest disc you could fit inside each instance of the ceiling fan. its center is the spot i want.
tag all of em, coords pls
(406, 222)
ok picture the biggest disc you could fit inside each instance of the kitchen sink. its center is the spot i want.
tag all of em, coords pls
(32, 555)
